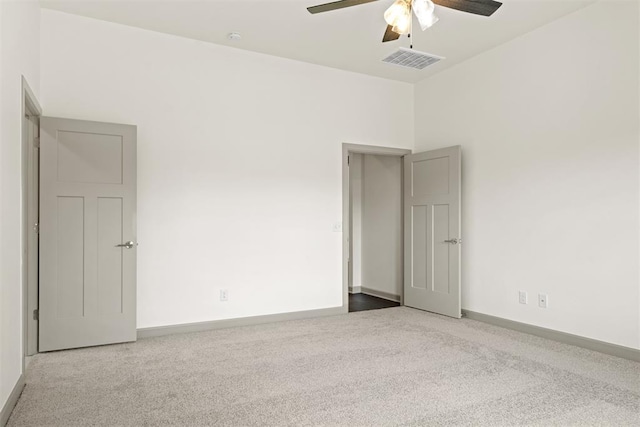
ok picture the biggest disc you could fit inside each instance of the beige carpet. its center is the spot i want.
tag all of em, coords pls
(395, 366)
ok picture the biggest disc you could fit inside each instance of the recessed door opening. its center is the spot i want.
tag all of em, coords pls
(372, 227)
(401, 224)
(30, 219)
(375, 225)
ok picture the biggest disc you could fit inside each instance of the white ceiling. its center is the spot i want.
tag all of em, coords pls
(349, 39)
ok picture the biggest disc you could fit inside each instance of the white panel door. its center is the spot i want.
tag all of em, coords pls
(432, 191)
(87, 233)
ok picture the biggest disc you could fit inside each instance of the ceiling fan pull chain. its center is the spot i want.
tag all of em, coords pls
(411, 31)
(410, 26)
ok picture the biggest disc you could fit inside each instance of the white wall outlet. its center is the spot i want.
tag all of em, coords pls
(522, 297)
(543, 301)
(337, 227)
(224, 295)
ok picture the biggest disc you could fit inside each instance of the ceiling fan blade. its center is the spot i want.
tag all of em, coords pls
(390, 35)
(336, 5)
(477, 7)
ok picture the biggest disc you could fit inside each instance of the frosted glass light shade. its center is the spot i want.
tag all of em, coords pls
(424, 10)
(398, 15)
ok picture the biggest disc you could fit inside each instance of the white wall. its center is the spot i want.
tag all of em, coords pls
(239, 161)
(20, 55)
(549, 128)
(382, 224)
(355, 199)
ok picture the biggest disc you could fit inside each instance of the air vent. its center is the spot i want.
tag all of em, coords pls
(412, 58)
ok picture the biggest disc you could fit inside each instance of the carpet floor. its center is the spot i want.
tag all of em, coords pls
(396, 366)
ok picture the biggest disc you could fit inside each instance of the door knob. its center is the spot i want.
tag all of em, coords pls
(127, 245)
(452, 241)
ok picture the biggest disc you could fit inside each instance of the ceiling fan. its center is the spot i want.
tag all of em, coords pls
(398, 15)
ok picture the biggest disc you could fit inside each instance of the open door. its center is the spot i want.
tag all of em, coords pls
(87, 233)
(432, 216)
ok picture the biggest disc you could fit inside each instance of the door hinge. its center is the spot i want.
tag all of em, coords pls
(36, 314)
(36, 228)
(36, 141)
(348, 160)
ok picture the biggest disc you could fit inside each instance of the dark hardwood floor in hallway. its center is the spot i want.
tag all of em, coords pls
(362, 302)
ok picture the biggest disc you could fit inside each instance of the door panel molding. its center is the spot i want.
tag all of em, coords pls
(88, 206)
(432, 209)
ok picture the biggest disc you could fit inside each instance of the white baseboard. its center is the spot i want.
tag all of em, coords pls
(380, 294)
(563, 337)
(11, 401)
(355, 289)
(243, 321)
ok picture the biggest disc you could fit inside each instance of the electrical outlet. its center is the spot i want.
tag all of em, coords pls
(522, 297)
(543, 301)
(224, 295)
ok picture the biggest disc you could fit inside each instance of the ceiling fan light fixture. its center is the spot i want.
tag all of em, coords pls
(424, 10)
(398, 15)
(403, 25)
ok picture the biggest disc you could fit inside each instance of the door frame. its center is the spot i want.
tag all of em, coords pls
(346, 203)
(30, 106)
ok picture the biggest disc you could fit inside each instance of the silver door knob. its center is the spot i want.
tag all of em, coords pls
(452, 241)
(127, 245)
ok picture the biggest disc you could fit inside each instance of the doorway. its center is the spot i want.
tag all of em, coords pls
(402, 240)
(30, 149)
(78, 249)
(373, 227)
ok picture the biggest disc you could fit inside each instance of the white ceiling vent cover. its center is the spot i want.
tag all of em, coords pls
(412, 58)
